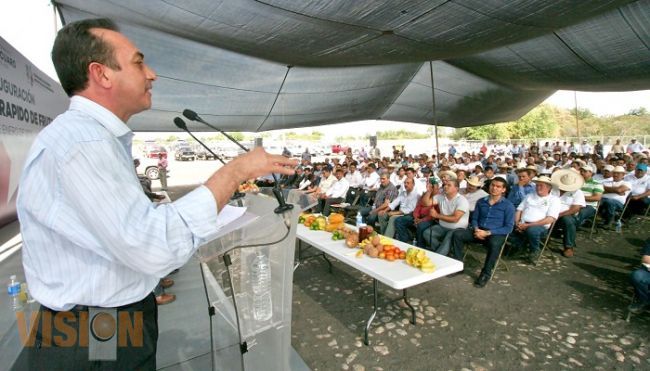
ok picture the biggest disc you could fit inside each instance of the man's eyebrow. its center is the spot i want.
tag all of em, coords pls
(139, 55)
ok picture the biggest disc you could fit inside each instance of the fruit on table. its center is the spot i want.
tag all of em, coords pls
(318, 224)
(338, 235)
(333, 227)
(336, 218)
(352, 240)
(418, 258)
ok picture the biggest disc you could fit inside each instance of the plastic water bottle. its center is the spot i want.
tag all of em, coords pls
(360, 219)
(618, 226)
(13, 289)
(261, 279)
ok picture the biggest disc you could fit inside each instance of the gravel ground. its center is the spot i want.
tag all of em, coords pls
(561, 314)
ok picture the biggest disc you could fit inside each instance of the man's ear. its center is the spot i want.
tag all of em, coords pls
(99, 75)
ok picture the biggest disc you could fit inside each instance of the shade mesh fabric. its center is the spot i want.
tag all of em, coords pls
(264, 65)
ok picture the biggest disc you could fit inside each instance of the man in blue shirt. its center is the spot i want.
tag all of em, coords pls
(523, 188)
(641, 281)
(492, 220)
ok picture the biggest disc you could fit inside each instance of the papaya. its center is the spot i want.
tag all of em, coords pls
(336, 218)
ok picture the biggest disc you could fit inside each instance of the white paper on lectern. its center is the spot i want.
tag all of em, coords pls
(232, 218)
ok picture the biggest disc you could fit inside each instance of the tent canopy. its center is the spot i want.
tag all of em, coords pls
(249, 65)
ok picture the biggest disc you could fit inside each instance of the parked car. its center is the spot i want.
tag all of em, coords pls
(154, 150)
(150, 167)
(185, 154)
(203, 154)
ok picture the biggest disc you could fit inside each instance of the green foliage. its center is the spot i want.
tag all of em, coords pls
(238, 136)
(171, 139)
(401, 134)
(640, 111)
(346, 138)
(313, 136)
(547, 121)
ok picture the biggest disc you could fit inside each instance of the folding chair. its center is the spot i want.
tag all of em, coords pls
(548, 238)
(593, 221)
(620, 217)
(496, 265)
(629, 314)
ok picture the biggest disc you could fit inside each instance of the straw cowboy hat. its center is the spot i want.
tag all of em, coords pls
(567, 180)
(450, 174)
(542, 179)
(475, 181)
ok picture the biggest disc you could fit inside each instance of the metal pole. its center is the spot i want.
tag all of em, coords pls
(435, 120)
(575, 100)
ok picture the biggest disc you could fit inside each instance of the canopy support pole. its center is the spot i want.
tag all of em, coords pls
(575, 102)
(435, 119)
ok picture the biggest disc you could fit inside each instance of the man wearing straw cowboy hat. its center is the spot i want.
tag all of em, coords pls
(535, 215)
(474, 192)
(572, 200)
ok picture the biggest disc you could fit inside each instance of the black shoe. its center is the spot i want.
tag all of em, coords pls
(481, 281)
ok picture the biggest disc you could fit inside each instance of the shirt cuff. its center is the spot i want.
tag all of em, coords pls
(199, 211)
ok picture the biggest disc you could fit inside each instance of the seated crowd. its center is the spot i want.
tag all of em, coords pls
(441, 204)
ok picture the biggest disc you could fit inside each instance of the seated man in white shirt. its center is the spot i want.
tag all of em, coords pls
(404, 204)
(640, 191)
(334, 194)
(452, 213)
(605, 175)
(370, 185)
(355, 179)
(534, 217)
(614, 197)
(572, 200)
(474, 192)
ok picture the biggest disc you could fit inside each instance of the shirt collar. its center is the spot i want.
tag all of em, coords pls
(105, 118)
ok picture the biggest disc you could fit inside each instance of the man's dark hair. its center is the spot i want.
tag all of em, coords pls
(503, 182)
(75, 47)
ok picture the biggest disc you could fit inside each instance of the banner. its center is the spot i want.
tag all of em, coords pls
(29, 101)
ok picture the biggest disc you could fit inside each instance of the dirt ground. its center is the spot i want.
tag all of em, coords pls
(561, 314)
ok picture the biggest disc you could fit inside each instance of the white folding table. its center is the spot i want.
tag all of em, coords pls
(396, 274)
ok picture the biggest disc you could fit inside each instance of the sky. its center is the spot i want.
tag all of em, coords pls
(34, 40)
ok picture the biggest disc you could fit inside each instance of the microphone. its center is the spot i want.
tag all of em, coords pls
(193, 116)
(282, 205)
(181, 125)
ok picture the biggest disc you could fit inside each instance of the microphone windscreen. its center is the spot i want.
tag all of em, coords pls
(191, 115)
(180, 123)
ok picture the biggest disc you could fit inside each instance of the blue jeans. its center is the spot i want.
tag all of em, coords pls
(608, 209)
(419, 232)
(586, 213)
(402, 225)
(438, 239)
(568, 223)
(641, 281)
(533, 235)
(493, 244)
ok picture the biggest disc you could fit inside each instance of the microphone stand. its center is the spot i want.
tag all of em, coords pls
(181, 125)
(282, 205)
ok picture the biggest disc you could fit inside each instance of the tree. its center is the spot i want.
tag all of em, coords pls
(538, 123)
(639, 111)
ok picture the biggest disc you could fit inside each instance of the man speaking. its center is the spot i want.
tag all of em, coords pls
(91, 238)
